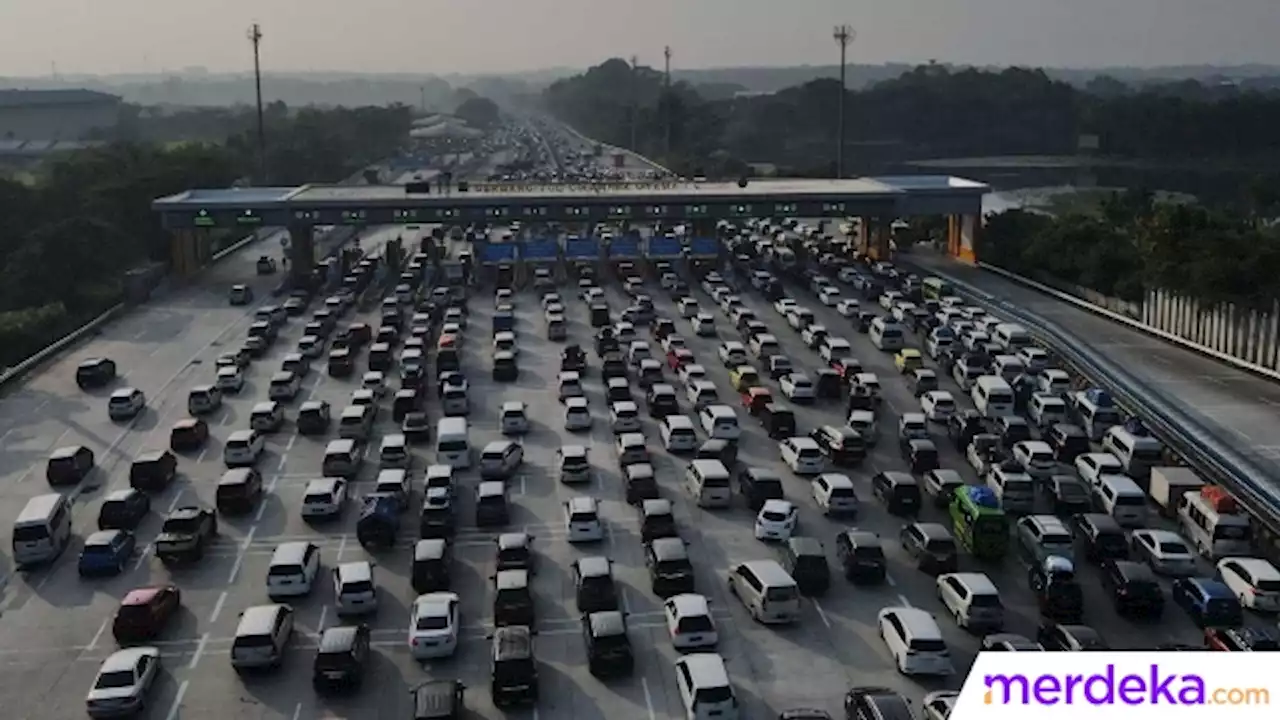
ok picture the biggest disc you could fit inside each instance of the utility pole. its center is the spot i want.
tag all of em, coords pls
(255, 37)
(635, 105)
(843, 36)
(667, 110)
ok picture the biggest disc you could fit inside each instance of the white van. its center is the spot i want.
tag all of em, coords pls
(973, 600)
(1046, 410)
(765, 346)
(769, 593)
(453, 442)
(803, 455)
(992, 397)
(1011, 336)
(708, 482)
(393, 452)
(887, 335)
(1016, 490)
(1137, 453)
(1121, 498)
(42, 530)
(293, 570)
(1036, 458)
(243, 448)
(915, 641)
(1008, 367)
(720, 422)
(1095, 419)
(356, 422)
(261, 637)
(1214, 534)
(354, 591)
(678, 434)
(704, 686)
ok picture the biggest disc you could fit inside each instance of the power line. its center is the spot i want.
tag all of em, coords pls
(255, 37)
(843, 36)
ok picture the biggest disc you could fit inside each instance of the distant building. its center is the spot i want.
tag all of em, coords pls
(54, 115)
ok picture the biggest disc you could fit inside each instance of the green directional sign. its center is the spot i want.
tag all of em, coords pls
(204, 219)
(248, 217)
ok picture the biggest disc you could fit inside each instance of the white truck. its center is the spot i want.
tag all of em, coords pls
(1168, 484)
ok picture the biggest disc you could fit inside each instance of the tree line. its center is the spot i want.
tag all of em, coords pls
(1132, 242)
(930, 111)
(68, 236)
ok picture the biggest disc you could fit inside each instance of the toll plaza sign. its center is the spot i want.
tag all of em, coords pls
(704, 248)
(624, 248)
(665, 248)
(543, 250)
(496, 253)
(580, 249)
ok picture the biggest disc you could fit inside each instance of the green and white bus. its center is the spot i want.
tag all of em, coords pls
(935, 288)
(982, 530)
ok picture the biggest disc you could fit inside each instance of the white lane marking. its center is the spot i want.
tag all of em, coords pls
(177, 701)
(200, 457)
(822, 615)
(262, 504)
(177, 498)
(142, 558)
(342, 547)
(622, 601)
(889, 579)
(297, 711)
(292, 440)
(522, 485)
(98, 635)
(324, 615)
(648, 698)
(284, 459)
(217, 607)
(195, 659)
(244, 549)
(905, 602)
(222, 421)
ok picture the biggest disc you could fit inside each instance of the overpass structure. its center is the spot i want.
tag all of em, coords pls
(877, 201)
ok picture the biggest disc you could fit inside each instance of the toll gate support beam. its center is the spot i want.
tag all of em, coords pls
(301, 253)
(182, 252)
(962, 232)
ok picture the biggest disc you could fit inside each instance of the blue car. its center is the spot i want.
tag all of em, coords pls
(106, 552)
(1209, 602)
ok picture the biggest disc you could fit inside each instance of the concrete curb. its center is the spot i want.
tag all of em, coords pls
(1155, 332)
(21, 369)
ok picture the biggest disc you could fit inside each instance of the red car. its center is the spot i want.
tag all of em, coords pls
(679, 357)
(144, 613)
(1243, 639)
(755, 398)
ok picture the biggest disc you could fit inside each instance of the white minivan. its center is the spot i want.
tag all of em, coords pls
(678, 434)
(992, 397)
(453, 442)
(705, 690)
(720, 422)
(42, 530)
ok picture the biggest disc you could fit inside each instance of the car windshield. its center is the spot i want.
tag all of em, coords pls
(181, 525)
(114, 679)
(432, 622)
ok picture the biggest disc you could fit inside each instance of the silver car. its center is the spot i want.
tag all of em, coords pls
(123, 681)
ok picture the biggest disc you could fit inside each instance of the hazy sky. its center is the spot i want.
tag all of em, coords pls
(443, 36)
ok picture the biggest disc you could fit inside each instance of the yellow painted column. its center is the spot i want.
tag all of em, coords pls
(970, 226)
(179, 242)
(953, 236)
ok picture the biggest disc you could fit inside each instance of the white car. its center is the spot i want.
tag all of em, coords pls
(570, 385)
(785, 305)
(776, 520)
(864, 421)
(938, 405)
(551, 299)
(847, 274)
(704, 325)
(732, 353)
(433, 629)
(624, 416)
(888, 298)
(324, 498)
(625, 332)
(1254, 581)
(691, 373)
(1092, 467)
(573, 464)
(582, 520)
(230, 379)
(375, 382)
(797, 387)
(902, 311)
(813, 334)
(689, 622)
(1165, 551)
(672, 343)
(834, 348)
(688, 308)
(829, 296)
(515, 418)
(939, 704)
(848, 308)
(902, 628)
(311, 346)
(506, 342)
(577, 415)
(123, 682)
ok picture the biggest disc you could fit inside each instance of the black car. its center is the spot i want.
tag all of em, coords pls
(514, 670)
(504, 367)
(123, 510)
(439, 700)
(608, 647)
(1070, 637)
(341, 658)
(876, 703)
(1102, 537)
(1058, 594)
(95, 373)
(962, 427)
(1133, 588)
(1068, 495)
(805, 560)
(670, 570)
(931, 546)
(843, 446)
(416, 427)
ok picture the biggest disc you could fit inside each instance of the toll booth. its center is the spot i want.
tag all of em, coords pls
(623, 249)
(582, 256)
(498, 263)
(543, 252)
(703, 256)
(662, 249)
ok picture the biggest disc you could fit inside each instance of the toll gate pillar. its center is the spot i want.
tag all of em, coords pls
(182, 258)
(301, 253)
(962, 231)
(876, 233)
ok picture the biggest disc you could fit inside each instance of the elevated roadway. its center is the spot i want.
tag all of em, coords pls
(1238, 407)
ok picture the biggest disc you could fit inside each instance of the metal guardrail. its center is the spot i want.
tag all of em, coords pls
(21, 369)
(1142, 327)
(1179, 430)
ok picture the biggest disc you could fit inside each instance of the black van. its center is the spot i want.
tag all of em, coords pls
(861, 556)
(599, 315)
(806, 562)
(641, 483)
(447, 360)
(608, 647)
(379, 522)
(726, 451)
(515, 671)
(899, 492)
(670, 570)
(512, 598)
(1067, 441)
(341, 659)
(594, 589)
(432, 565)
(758, 485)
(439, 700)
(921, 455)
(153, 470)
(405, 402)
(657, 520)
(437, 519)
(69, 465)
(239, 491)
(779, 421)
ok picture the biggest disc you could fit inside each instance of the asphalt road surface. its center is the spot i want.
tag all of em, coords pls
(54, 626)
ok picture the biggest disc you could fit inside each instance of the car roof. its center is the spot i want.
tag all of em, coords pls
(607, 623)
(125, 659)
(141, 596)
(103, 537)
(512, 540)
(669, 548)
(511, 579)
(360, 570)
(338, 639)
(593, 566)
